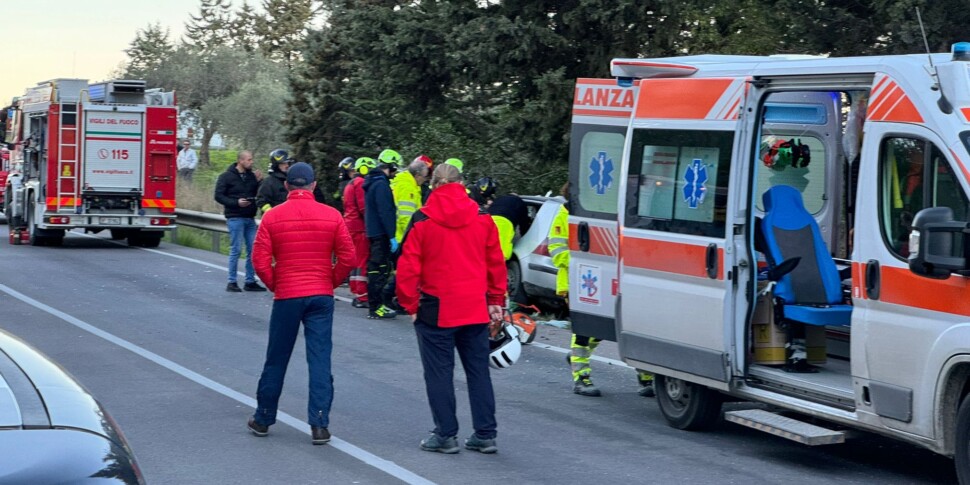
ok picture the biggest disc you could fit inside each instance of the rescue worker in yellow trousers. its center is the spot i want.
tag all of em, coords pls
(581, 347)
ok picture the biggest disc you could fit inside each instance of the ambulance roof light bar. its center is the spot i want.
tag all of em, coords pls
(645, 69)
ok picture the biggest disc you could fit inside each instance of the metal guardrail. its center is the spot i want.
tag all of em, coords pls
(214, 223)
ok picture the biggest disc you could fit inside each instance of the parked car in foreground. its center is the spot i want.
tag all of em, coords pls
(51, 429)
(531, 274)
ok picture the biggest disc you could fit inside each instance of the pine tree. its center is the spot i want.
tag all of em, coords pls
(284, 27)
(150, 48)
(245, 27)
(211, 28)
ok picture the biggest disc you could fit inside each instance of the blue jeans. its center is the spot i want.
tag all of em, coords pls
(437, 346)
(316, 313)
(241, 228)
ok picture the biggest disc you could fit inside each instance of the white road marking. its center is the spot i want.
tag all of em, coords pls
(375, 461)
(597, 358)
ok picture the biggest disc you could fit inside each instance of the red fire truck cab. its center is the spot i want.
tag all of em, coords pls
(94, 156)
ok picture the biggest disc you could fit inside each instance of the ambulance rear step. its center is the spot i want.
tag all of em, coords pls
(785, 427)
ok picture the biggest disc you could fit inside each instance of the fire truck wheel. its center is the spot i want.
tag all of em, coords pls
(686, 405)
(961, 457)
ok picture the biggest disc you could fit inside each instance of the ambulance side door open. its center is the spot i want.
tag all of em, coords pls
(601, 117)
(912, 323)
(677, 295)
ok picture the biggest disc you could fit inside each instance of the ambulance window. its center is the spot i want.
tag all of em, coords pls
(915, 175)
(778, 152)
(596, 160)
(679, 181)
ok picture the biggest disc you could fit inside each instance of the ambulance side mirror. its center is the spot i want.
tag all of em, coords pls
(937, 244)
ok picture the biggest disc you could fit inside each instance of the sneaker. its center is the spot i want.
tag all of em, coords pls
(382, 312)
(356, 303)
(481, 445)
(584, 387)
(440, 445)
(321, 436)
(233, 287)
(253, 286)
(646, 389)
(256, 428)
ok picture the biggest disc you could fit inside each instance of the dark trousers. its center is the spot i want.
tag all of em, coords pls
(437, 347)
(316, 314)
(378, 271)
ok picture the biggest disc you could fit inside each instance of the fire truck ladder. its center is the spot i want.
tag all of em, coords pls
(67, 157)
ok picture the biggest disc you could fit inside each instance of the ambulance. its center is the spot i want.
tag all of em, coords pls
(786, 230)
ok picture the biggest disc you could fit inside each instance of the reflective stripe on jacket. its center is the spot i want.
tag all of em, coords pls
(407, 200)
(559, 249)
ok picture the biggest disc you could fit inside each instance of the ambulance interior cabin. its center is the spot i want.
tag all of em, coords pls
(804, 190)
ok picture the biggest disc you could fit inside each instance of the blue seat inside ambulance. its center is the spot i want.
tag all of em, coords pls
(812, 292)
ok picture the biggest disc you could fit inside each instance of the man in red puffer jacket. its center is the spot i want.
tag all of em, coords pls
(451, 280)
(293, 255)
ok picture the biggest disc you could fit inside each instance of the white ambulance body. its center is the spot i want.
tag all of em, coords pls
(700, 150)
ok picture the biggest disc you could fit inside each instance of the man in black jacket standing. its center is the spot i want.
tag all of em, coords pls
(236, 191)
(380, 221)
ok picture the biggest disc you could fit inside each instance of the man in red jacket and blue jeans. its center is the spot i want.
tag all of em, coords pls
(294, 256)
(451, 280)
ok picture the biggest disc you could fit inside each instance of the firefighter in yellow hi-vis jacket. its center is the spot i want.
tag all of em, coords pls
(581, 347)
(406, 188)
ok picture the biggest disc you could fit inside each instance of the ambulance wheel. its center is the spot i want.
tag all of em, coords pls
(961, 457)
(686, 405)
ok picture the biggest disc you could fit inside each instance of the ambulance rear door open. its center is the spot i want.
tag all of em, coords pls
(601, 117)
(678, 218)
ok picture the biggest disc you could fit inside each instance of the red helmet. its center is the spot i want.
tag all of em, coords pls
(424, 158)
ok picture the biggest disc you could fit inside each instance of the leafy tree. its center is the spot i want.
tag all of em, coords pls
(147, 51)
(251, 116)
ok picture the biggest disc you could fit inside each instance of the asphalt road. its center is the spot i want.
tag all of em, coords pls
(175, 359)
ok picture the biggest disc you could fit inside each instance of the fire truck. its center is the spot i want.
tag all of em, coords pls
(92, 156)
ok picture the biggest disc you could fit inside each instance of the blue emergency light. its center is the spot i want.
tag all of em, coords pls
(961, 51)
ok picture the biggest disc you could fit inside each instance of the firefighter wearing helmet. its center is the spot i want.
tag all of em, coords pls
(381, 229)
(271, 191)
(483, 191)
(345, 172)
(353, 197)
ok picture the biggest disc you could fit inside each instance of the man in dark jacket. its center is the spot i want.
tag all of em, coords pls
(236, 191)
(272, 191)
(380, 220)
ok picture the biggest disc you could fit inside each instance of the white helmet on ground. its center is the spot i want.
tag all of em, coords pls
(505, 346)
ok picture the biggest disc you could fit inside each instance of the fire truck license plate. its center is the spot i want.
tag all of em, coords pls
(110, 220)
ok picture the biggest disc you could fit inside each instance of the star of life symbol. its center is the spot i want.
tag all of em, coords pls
(601, 168)
(589, 284)
(694, 186)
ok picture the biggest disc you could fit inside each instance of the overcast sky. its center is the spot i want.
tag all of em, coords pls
(46, 39)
